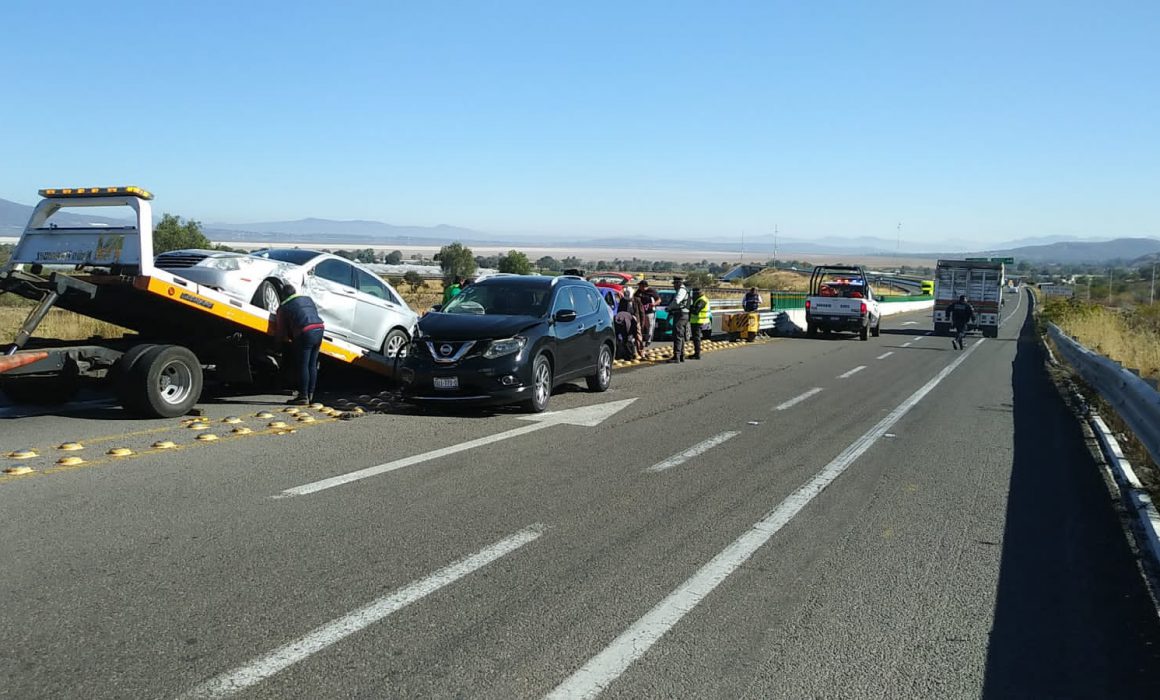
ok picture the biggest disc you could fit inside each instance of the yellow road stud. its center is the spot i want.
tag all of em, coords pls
(164, 445)
(264, 415)
(119, 452)
(18, 471)
(231, 420)
(276, 424)
(305, 419)
(291, 409)
(241, 431)
(316, 406)
(70, 461)
(71, 447)
(198, 426)
(22, 454)
(207, 437)
(289, 431)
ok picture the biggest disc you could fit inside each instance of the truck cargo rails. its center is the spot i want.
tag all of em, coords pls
(981, 281)
(182, 331)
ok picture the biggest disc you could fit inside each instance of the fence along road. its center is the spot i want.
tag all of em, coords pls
(940, 563)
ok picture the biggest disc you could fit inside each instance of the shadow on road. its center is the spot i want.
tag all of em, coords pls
(1073, 618)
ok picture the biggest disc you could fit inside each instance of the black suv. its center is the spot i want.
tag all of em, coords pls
(511, 339)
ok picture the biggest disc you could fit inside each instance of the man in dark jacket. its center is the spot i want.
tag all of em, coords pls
(298, 320)
(960, 314)
(752, 300)
(649, 301)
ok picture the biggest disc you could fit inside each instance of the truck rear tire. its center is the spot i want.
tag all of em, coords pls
(864, 333)
(165, 382)
(119, 375)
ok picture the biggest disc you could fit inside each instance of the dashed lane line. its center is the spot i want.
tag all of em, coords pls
(798, 399)
(885, 355)
(603, 669)
(852, 372)
(267, 665)
(698, 449)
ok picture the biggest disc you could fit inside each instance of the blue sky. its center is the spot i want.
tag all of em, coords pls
(967, 120)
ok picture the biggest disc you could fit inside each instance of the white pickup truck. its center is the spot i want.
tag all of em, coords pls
(841, 300)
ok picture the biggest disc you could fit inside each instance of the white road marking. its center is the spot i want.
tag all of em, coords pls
(283, 657)
(698, 449)
(604, 668)
(589, 416)
(906, 345)
(885, 355)
(798, 399)
(910, 323)
(1017, 306)
(852, 372)
(918, 338)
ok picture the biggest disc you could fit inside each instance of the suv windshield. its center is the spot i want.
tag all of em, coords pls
(500, 300)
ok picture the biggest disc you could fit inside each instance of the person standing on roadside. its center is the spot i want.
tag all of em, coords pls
(298, 320)
(699, 321)
(649, 300)
(452, 290)
(678, 310)
(960, 313)
(752, 300)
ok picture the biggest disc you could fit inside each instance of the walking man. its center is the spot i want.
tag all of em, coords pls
(960, 314)
(699, 321)
(649, 299)
(298, 320)
(678, 310)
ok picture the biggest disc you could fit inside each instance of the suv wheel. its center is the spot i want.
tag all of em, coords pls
(603, 377)
(541, 385)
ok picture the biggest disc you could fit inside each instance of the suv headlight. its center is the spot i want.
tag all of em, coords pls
(507, 346)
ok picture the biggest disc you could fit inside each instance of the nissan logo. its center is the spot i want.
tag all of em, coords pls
(445, 349)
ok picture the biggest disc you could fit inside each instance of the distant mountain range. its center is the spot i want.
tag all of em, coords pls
(1046, 249)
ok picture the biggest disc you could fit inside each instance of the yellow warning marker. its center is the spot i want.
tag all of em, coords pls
(70, 461)
(207, 437)
(241, 431)
(164, 445)
(358, 409)
(305, 419)
(276, 424)
(187, 421)
(119, 452)
(71, 447)
(264, 415)
(18, 471)
(22, 454)
(231, 420)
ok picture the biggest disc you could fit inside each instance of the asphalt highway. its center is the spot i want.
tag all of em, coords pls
(795, 518)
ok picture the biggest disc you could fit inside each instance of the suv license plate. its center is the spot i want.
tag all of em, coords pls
(446, 382)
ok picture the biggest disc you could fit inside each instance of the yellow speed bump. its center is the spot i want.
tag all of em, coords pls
(265, 415)
(291, 409)
(18, 471)
(22, 454)
(207, 437)
(305, 419)
(164, 445)
(71, 447)
(231, 420)
(119, 452)
(70, 461)
(276, 424)
(241, 431)
(198, 426)
(316, 406)
(288, 431)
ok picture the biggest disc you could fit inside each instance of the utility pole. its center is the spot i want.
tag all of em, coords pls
(898, 251)
(1109, 286)
(1152, 293)
(742, 247)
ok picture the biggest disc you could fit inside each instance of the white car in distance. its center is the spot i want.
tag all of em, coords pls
(355, 303)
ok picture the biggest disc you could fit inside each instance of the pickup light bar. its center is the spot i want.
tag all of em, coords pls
(58, 192)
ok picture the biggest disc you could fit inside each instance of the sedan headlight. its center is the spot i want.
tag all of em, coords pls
(221, 263)
(507, 346)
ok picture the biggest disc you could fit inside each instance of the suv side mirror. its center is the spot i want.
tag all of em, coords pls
(565, 316)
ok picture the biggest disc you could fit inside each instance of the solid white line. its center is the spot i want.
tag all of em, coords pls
(267, 665)
(698, 449)
(1010, 315)
(885, 355)
(604, 668)
(341, 479)
(852, 372)
(906, 345)
(798, 399)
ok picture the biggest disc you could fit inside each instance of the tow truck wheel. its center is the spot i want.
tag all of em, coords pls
(268, 296)
(40, 391)
(166, 381)
(119, 376)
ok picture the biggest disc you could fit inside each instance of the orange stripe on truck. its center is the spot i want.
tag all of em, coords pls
(20, 359)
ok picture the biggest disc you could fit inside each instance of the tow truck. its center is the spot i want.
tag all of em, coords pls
(841, 300)
(182, 331)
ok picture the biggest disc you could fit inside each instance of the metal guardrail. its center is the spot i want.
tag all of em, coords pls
(1137, 403)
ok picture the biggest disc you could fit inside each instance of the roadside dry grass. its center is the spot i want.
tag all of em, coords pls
(1132, 338)
(59, 324)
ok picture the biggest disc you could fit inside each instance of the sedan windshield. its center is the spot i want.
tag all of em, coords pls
(500, 300)
(290, 255)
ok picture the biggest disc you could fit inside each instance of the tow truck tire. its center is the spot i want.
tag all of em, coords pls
(268, 296)
(120, 373)
(40, 391)
(166, 381)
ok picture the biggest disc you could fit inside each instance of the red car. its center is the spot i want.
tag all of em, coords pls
(612, 280)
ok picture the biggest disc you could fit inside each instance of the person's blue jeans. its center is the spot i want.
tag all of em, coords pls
(307, 346)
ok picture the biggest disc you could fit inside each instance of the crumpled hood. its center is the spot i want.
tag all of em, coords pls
(474, 327)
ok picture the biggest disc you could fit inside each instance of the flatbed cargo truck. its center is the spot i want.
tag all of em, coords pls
(182, 331)
(981, 281)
